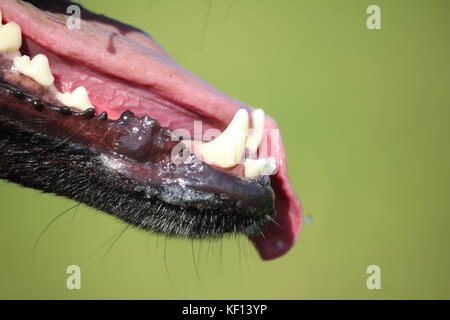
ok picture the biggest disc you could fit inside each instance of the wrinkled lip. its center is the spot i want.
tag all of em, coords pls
(123, 69)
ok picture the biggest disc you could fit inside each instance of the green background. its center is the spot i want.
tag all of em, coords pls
(364, 115)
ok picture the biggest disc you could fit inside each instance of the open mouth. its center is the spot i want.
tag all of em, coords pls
(101, 114)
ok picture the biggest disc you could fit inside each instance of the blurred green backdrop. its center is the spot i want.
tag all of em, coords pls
(365, 121)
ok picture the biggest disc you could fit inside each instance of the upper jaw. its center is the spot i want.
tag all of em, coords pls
(140, 63)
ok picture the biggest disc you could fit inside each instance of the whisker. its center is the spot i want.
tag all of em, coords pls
(240, 261)
(104, 245)
(263, 235)
(165, 264)
(74, 213)
(229, 8)
(199, 251)
(221, 256)
(273, 221)
(115, 241)
(195, 264)
(48, 226)
(156, 244)
(251, 250)
(244, 250)
(207, 251)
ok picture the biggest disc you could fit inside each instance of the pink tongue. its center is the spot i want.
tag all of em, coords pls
(133, 73)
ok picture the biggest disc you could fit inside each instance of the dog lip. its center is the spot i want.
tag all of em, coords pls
(145, 159)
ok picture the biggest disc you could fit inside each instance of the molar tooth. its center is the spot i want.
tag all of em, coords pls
(78, 99)
(255, 138)
(10, 37)
(37, 68)
(228, 148)
(259, 167)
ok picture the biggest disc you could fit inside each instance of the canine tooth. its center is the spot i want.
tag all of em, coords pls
(37, 68)
(228, 148)
(79, 99)
(255, 138)
(259, 167)
(10, 37)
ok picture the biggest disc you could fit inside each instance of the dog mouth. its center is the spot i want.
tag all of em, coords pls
(101, 114)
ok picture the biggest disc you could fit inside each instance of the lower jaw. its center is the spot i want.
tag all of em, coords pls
(93, 177)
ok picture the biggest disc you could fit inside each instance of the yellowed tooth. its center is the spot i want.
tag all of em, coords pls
(37, 68)
(255, 137)
(10, 37)
(259, 167)
(227, 150)
(78, 99)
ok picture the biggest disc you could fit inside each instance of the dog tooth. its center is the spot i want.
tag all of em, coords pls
(10, 36)
(259, 167)
(78, 99)
(227, 150)
(37, 68)
(255, 137)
